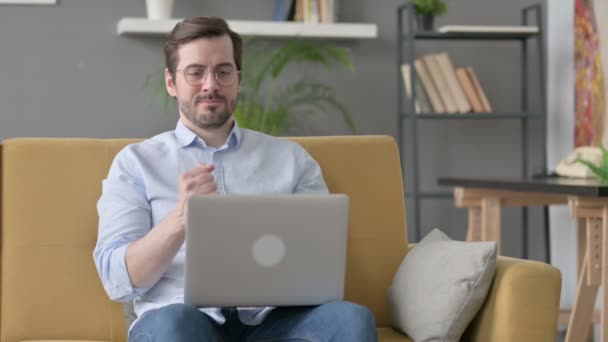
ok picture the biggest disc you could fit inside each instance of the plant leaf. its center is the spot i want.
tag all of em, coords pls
(262, 67)
(313, 94)
(602, 174)
(430, 7)
(156, 83)
(604, 161)
(297, 50)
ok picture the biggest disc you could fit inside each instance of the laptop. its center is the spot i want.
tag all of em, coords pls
(265, 250)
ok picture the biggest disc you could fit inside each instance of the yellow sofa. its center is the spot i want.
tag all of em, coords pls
(50, 289)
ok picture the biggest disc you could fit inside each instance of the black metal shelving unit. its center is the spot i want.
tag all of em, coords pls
(407, 38)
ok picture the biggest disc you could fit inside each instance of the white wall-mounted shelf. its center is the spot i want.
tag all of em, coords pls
(28, 2)
(275, 29)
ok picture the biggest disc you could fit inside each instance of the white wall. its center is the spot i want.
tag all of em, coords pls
(560, 133)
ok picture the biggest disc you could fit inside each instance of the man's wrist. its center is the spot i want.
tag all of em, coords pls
(176, 223)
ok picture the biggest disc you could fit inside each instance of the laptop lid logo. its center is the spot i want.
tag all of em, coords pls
(268, 250)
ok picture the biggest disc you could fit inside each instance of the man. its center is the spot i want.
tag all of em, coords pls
(140, 248)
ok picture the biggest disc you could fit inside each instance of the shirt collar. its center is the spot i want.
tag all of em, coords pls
(186, 137)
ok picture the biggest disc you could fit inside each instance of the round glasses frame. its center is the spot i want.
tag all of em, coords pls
(234, 76)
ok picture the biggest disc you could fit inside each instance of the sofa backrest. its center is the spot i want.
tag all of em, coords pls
(49, 190)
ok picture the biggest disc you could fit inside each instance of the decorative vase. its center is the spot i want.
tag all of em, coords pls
(159, 9)
(424, 22)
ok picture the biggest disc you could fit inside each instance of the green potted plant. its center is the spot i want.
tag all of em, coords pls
(601, 170)
(266, 101)
(426, 11)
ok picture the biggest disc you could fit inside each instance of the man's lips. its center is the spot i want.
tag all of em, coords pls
(210, 101)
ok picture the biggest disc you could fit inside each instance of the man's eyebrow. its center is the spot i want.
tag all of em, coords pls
(224, 64)
(204, 66)
(195, 65)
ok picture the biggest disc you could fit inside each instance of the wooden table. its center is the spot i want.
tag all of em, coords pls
(588, 202)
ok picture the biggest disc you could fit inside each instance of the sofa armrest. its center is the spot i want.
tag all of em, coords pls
(522, 304)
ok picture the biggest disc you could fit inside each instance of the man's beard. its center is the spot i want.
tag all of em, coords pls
(201, 121)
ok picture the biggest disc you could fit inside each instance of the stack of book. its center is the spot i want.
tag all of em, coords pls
(442, 88)
(308, 11)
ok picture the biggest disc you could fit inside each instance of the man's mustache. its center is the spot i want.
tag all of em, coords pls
(208, 97)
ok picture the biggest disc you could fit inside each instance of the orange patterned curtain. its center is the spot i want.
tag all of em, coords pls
(589, 93)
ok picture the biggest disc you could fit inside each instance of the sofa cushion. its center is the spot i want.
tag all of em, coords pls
(440, 286)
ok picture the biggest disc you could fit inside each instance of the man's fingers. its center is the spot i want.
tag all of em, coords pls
(200, 185)
(196, 171)
(205, 188)
(204, 178)
(198, 180)
(204, 168)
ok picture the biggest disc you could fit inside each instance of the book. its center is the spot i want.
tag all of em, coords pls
(429, 88)
(299, 10)
(479, 90)
(313, 12)
(449, 74)
(440, 83)
(283, 10)
(310, 11)
(306, 10)
(323, 11)
(469, 90)
(405, 73)
(425, 104)
(486, 29)
(422, 104)
(327, 10)
(333, 11)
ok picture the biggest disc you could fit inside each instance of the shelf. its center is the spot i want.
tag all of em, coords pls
(471, 116)
(408, 38)
(275, 29)
(28, 2)
(471, 36)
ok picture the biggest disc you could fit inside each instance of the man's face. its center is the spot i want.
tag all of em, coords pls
(202, 100)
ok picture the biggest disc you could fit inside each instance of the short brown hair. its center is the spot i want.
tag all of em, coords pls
(199, 27)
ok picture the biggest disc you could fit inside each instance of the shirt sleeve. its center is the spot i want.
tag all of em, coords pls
(311, 178)
(124, 217)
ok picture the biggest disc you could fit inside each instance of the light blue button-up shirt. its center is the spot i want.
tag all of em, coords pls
(142, 188)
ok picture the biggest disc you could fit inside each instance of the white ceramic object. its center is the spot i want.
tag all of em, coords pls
(159, 9)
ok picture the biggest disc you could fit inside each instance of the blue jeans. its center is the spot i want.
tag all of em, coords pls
(337, 321)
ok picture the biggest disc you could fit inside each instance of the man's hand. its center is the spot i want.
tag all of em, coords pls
(196, 181)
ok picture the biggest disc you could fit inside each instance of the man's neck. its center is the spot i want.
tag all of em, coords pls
(214, 137)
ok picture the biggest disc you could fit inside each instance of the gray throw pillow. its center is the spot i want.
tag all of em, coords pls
(440, 286)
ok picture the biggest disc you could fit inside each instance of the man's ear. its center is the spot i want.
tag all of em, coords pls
(170, 83)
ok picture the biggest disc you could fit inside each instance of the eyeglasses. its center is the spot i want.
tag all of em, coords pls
(225, 75)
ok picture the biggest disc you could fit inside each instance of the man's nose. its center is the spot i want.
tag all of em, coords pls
(210, 83)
